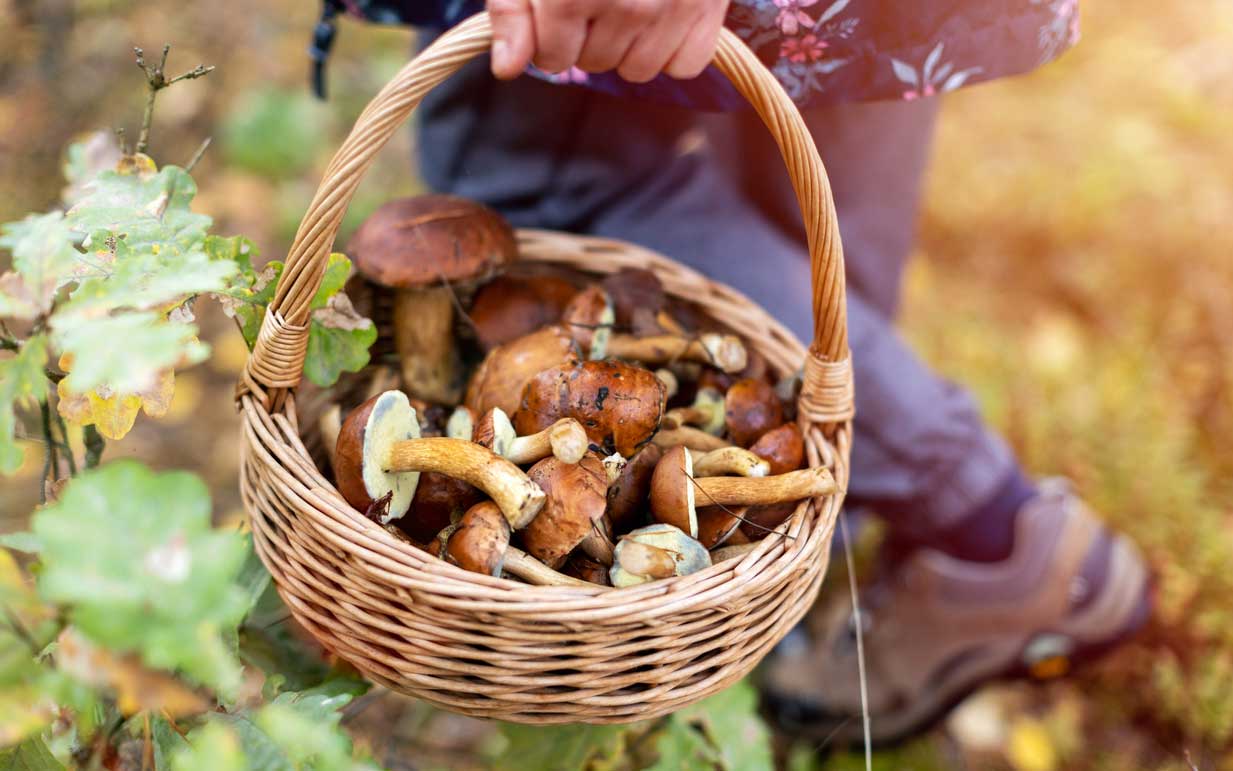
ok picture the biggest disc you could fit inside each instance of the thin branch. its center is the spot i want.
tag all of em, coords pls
(156, 80)
(860, 635)
(51, 464)
(192, 162)
(66, 445)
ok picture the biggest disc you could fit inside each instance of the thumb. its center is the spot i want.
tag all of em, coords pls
(513, 37)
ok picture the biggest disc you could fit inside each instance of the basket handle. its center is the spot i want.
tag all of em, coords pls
(277, 360)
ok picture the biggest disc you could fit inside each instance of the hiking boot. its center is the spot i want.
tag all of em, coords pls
(936, 628)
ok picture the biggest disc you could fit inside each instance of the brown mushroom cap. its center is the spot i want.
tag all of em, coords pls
(501, 377)
(494, 431)
(637, 296)
(627, 496)
(577, 497)
(480, 540)
(760, 520)
(783, 448)
(751, 408)
(583, 567)
(620, 405)
(588, 318)
(717, 524)
(509, 307)
(420, 241)
(672, 491)
(439, 500)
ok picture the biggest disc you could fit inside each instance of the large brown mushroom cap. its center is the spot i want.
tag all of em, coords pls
(439, 500)
(783, 448)
(504, 373)
(418, 242)
(509, 307)
(751, 408)
(628, 494)
(637, 296)
(672, 491)
(620, 405)
(480, 540)
(577, 497)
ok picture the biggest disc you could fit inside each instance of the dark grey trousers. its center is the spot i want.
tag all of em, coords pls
(711, 191)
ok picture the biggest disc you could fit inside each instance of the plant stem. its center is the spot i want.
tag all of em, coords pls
(51, 463)
(94, 446)
(67, 445)
(156, 80)
(192, 162)
(20, 630)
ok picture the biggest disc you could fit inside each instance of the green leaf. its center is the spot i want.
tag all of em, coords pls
(44, 259)
(214, 747)
(22, 384)
(167, 742)
(337, 271)
(151, 210)
(30, 755)
(150, 344)
(558, 748)
(132, 555)
(26, 542)
(730, 721)
(273, 132)
(333, 351)
(681, 747)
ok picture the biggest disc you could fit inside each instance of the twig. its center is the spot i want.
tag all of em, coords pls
(156, 80)
(66, 446)
(860, 635)
(94, 446)
(192, 162)
(51, 464)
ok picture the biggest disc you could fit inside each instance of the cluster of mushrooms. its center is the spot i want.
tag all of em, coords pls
(606, 436)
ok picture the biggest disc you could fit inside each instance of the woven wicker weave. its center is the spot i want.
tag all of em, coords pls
(491, 647)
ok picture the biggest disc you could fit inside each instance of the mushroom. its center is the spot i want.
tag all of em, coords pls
(760, 520)
(674, 489)
(726, 352)
(783, 448)
(439, 501)
(576, 499)
(480, 543)
(586, 569)
(620, 405)
(654, 552)
(707, 412)
(718, 525)
(637, 298)
(589, 319)
(755, 367)
(505, 371)
(751, 408)
(729, 461)
(627, 495)
(461, 423)
(380, 454)
(566, 439)
(509, 307)
(670, 381)
(690, 437)
(422, 247)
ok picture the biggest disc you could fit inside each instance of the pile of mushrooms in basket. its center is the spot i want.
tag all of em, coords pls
(555, 428)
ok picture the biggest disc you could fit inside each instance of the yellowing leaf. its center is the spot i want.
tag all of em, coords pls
(1030, 748)
(137, 688)
(113, 414)
(23, 712)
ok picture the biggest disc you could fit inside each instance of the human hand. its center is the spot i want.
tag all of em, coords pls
(637, 38)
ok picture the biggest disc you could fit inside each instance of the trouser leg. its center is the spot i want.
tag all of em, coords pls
(569, 159)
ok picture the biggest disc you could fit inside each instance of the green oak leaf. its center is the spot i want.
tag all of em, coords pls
(681, 747)
(167, 742)
(144, 208)
(30, 755)
(214, 747)
(44, 259)
(730, 721)
(124, 353)
(558, 748)
(22, 384)
(132, 556)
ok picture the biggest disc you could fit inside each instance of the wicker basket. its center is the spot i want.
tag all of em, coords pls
(491, 647)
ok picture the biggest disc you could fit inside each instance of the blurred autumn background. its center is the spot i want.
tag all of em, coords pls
(1075, 269)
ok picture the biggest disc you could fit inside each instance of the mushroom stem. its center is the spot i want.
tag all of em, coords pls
(670, 381)
(725, 352)
(424, 337)
(566, 439)
(522, 565)
(729, 461)
(518, 497)
(707, 413)
(693, 438)
(754, 491)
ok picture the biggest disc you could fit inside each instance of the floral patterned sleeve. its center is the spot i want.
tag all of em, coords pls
(830, 51)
